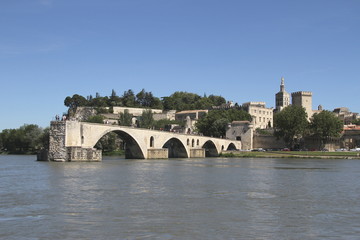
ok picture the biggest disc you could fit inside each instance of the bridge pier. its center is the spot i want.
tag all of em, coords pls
(59, 152)
(197, 153)
(158, 153)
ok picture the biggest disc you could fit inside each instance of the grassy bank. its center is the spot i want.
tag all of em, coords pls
(114, 153)
(292, 154)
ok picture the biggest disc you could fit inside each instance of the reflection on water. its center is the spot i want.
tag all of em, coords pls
(214, 198)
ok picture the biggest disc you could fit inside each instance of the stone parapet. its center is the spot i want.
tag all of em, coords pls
(301, 93)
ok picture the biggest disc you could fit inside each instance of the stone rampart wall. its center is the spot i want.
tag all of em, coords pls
(267, 142)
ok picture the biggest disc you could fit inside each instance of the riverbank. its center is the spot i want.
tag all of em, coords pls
(292, 154)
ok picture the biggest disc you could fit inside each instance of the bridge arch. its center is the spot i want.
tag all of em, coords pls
(176, 148)
(132, 147)
(210, 149)
(231, 147)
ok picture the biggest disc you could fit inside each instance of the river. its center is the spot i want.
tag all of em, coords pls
(212, 198)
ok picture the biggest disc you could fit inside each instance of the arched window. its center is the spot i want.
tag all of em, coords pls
(151, 141)
(222, 147)
(188, 142)
(192, 143)
(198, 142)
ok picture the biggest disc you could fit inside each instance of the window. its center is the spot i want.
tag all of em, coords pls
(152, 142)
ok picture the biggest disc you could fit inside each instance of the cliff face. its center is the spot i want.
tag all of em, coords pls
(83, 113)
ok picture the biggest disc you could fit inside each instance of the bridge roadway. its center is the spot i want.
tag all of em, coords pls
(75, 141)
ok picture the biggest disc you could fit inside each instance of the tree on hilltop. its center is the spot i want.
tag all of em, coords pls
(291, 124)
(215, 122)
(324, 125)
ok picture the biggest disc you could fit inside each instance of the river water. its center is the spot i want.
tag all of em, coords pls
(212, 198)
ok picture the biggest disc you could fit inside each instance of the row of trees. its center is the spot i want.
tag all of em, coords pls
(142, 99)
(177, 101)
(291, 124)
(29, 138)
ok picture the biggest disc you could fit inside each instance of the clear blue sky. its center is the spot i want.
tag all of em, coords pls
(50, 49)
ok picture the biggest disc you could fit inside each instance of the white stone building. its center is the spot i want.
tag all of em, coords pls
(262, 117)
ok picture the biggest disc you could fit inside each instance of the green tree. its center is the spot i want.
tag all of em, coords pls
(291, 124)
(26, 139)
(217, 100)
(30, 137)
(129, 99)
(45, 138)
(108, 142)
(1, 144)
(147, 100)
(114, 99)
(324, 125)
(216, 121)
(181, 101)
(204, 103)
(74, 102)
(125, 118)
(356, 121)
(147, 119)
(100, 102)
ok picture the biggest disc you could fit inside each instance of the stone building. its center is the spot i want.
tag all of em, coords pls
(261, 115)
(351, 137)
(191, 117)
(303, 99)
(242, 131)
(282, 98)
(345, 115)
(136, 112)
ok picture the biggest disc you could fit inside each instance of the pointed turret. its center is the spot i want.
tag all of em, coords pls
(282, 98)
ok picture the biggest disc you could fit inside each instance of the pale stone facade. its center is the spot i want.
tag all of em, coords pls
(303, 99)
(191, 117)
(241, 131)
(345, 115)
(135, 111)
(261, 115)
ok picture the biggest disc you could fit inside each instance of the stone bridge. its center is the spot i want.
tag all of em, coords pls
(75, 141)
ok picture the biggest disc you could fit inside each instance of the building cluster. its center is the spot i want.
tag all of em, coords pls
(262, 116)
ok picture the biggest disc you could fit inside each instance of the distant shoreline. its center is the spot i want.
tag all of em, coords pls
(292, 154)
(249, 154)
